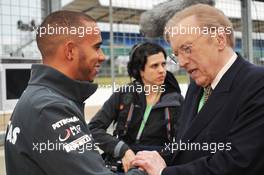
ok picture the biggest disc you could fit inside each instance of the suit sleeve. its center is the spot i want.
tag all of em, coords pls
(63, 144)
(100, 123)
(245, 137)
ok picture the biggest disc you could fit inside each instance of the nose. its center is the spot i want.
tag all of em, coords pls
(162, 69)
(183, 61)
(101, 56)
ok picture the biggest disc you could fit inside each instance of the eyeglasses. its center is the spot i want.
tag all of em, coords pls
(185, 50)
(173, 58)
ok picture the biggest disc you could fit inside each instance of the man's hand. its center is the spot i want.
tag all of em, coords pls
(127, 159)
(149, 161)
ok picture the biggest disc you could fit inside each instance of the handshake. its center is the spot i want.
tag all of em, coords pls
(149, 161)
(135, 171)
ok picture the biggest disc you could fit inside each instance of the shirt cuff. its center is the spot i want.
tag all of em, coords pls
(120, 149)
(160, 172)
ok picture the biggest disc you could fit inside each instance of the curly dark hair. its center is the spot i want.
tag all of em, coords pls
(138, 57)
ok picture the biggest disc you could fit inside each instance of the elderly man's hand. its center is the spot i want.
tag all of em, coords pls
(127, 159)
(149, 161)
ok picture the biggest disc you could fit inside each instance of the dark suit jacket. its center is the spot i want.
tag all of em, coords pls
(232, 118)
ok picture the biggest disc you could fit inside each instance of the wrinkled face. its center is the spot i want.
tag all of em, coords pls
(90, 55)
(197, 53)
(155, 70)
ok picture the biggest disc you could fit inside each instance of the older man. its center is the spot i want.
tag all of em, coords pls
(222, 120)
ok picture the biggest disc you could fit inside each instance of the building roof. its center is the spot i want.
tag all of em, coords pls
(125, 15)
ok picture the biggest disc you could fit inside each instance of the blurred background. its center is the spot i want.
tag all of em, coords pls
(119, 21)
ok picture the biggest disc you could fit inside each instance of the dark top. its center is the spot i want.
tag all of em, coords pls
(47, 134)
(155, 132)
(227, 133)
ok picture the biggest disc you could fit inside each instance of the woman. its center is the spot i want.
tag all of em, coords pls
(144, 112)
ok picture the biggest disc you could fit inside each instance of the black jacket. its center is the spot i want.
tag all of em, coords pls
(155, 132)
(47, 134)
(229, 128)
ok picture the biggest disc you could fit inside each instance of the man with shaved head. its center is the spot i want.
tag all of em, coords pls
(70, 42)
(47, 133)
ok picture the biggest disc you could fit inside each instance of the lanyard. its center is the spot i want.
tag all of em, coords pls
(129, 116)
(168, 121)
(146, 115)
(144, 121)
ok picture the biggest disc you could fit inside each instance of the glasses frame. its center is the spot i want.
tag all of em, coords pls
(184, 49)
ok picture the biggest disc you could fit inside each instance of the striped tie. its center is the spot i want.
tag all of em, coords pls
(207, 92)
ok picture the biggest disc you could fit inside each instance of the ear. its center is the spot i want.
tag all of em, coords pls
(221, 40)
(141, 73)
(69, 50)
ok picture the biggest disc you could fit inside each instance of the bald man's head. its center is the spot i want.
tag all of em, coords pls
(60, 27)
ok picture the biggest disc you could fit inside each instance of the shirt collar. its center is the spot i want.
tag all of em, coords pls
(223, 70)
(47, 76)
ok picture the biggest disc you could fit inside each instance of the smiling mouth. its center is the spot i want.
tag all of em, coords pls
(97, 68)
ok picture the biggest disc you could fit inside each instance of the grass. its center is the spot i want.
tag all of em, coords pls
(125, 79)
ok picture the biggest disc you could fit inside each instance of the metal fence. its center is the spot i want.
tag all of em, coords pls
(124, 17)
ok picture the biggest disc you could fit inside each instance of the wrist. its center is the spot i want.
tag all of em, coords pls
(123, 150)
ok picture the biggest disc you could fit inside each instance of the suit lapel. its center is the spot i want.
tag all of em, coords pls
(215, 102)
(189, 107)
(206, 114)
